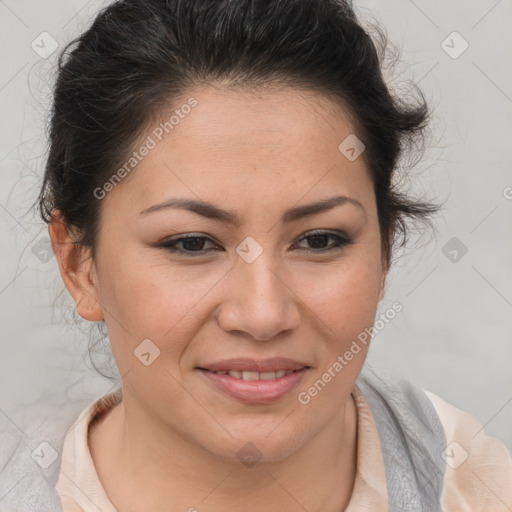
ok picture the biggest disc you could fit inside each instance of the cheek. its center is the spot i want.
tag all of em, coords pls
(344, 298)
(155, 298)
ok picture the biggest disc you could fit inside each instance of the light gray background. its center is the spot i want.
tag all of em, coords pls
(453, 336)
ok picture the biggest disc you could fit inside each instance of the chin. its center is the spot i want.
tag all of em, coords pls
(265, 443)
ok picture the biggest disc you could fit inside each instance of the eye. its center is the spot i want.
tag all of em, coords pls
(318, 239)
(192, 245)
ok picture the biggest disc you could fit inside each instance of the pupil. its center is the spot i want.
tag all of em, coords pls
(191, 246)
(315, 239)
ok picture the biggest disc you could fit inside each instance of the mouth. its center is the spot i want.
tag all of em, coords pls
(248, 366)
(255, 382)
(250, 376)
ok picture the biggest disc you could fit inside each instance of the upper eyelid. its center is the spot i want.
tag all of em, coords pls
(316, 232)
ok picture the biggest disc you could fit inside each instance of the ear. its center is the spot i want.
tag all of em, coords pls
(77, 268)
(382, 285)
(385, 265)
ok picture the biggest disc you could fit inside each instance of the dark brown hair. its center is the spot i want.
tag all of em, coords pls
(141, 54)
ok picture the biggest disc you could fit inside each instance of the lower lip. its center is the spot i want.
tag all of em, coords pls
(255, 391)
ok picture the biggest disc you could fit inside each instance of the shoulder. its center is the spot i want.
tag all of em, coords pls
(30, 455)
(456, 465)
(478, 474)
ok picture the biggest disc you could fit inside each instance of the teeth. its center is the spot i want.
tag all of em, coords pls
(246, 375)
(250, 375)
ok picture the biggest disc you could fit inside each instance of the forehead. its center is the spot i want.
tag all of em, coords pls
(247, 145)
(281, 121)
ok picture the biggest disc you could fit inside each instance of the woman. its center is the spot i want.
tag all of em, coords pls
(219, 192)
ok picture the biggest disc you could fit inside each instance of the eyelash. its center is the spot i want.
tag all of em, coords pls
(341, 241)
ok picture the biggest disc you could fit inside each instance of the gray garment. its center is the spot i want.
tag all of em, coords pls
(26, 485)
(411, 436)
(412, 439)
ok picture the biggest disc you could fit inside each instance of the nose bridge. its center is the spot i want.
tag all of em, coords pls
(263, 285)
(255, 266)
(260, 303)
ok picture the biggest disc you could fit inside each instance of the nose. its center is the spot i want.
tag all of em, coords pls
(259, 301)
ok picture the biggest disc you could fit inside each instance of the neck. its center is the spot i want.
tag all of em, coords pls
(132, 453)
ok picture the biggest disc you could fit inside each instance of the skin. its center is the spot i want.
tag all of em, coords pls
(172, 443)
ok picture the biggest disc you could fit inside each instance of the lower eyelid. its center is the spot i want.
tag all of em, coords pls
(171, 244)
(341, 241)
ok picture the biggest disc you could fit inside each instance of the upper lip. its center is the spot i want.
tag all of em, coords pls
(251, 365)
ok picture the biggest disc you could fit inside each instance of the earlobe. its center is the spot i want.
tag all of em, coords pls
(386, 262)
(381, 289)
(76, 268)
(382, 285)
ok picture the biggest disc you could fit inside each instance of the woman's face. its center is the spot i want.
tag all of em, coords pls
(255, 284)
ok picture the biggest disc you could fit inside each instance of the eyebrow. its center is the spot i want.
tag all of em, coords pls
(211, 211)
